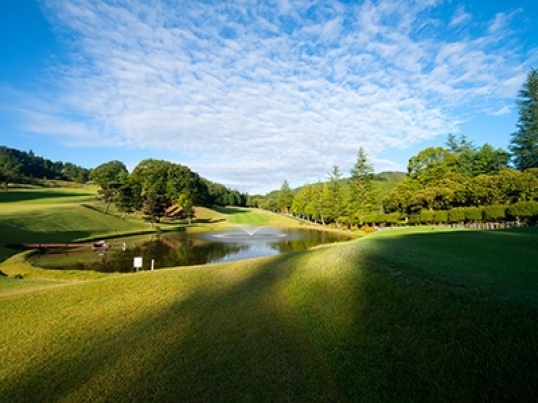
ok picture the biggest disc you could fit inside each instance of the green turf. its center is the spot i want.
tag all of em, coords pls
(56, 215)
(335, 324)
(504, 259)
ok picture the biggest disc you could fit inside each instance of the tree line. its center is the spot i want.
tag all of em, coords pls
(458, 183)
(25, 167)
(155, 188)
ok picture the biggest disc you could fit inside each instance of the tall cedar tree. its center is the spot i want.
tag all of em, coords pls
(361, 182)
(285, 197)
(524, 145)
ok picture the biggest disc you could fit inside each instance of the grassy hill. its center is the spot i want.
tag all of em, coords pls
(44, 215)
(404, 315)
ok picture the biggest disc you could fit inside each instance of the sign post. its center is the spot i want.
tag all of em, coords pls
(137, 263)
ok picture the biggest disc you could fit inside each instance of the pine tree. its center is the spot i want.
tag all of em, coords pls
(361, 183)
(524, 144)
(285, 197)
(335, 194)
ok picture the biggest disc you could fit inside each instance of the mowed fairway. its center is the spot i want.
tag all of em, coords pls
(244, 216)
(56, 215)
(393, 317)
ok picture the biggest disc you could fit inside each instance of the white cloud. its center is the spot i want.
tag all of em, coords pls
(505, 110)
(461, 17)
(256, 93)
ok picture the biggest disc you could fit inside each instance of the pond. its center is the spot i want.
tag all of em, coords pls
(186, 249)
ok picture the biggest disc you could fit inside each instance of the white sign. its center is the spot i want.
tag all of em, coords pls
(137, 262)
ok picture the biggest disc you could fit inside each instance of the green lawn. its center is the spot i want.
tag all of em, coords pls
(245, 216)
(379, 319)
(506, 260)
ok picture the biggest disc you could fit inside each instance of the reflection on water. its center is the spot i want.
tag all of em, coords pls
(184, 249)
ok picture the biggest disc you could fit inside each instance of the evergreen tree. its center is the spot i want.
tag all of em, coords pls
(285, 197)
(524, 144)
(335, 194)
(361, 183)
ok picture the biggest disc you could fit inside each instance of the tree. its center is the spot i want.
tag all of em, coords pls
(431, 164)
(285, 197)
(524, 144)
(109, 176)
(313, 208)
(362, 174)
(335, 197)
(128, 198)
(10, 167)
(300, 201)
(488, 160)
(465, 153)
(186, 201)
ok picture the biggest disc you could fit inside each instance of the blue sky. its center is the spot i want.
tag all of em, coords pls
(249, 93)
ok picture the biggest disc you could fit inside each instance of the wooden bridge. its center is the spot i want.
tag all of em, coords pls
(95, 246)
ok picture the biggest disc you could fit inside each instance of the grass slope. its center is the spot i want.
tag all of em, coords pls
(56, 215)
(364, 321)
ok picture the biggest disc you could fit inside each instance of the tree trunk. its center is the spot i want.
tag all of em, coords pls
(107, 206)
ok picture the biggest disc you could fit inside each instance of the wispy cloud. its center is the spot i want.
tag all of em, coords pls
(255, 93)
(460, 17)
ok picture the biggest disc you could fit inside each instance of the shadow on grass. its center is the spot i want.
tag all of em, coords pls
(209, 220)
(29, 195)
(501, 261)
(230, 210)
(326, 325)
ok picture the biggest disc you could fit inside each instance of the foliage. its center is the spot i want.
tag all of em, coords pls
(524, 144)
(523, 209)
(110, 176)
(431, 164)
(495, 212)
(25, 167)
(285, 197)
(440, 216)
(360, 182)
(456, 215)
(473, 214)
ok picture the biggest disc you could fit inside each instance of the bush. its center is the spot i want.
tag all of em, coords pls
(414, 219)
(523, 209)
(495, 212)
(371, 219)
(440, 217)
(392, 218)
(426, 216)
(456, 214)
(473, 213)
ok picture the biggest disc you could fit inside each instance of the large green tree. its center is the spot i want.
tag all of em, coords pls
(524, 144)
(109, 176)
(431, 164)
(10, 169)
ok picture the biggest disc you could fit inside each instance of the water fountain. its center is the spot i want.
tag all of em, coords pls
(250, 233)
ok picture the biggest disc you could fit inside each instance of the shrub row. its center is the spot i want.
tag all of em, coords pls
(526, 212)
